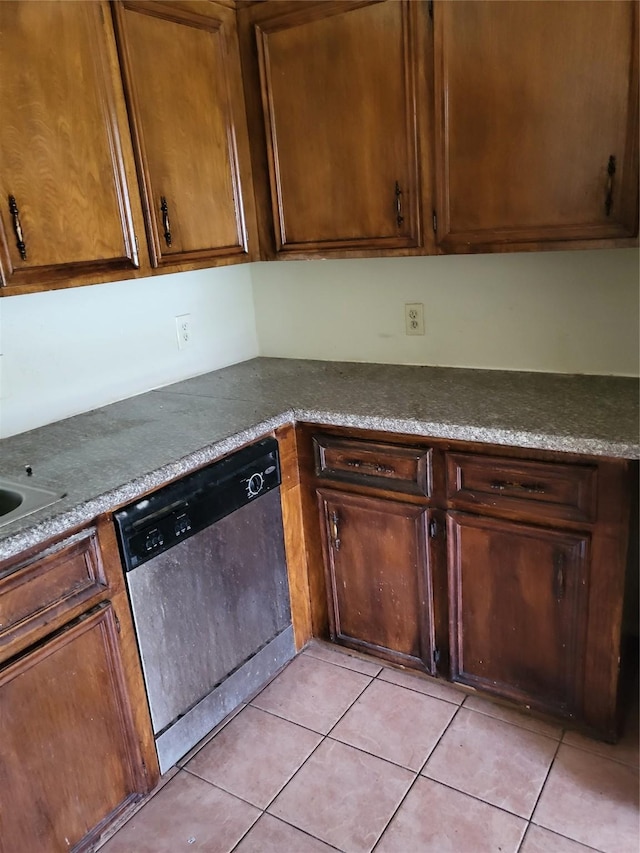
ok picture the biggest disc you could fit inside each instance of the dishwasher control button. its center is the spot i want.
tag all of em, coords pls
(154, 540)
(182, 524)
(254, 485)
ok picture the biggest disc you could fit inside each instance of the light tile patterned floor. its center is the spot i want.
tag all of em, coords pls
(340, 753)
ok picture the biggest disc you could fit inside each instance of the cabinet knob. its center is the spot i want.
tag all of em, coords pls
(611, 170)
(399, 216)
(164, 207)
(15, 215)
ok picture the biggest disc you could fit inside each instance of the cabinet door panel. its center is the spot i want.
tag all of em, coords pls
(533, 101)
(60, 150)
(379, 576)
(338, 94)
(183, 86)
(518, 598)
(69, 752)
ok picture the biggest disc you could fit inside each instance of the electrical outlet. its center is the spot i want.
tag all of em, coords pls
(414, 318)
(183, 330)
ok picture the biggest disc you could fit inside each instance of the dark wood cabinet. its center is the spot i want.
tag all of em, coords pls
(497, 568)
(181, 70)
(66, 207)
(379, 576)
(536, 123)
(339, 85)
(518, 604)
(77, 743)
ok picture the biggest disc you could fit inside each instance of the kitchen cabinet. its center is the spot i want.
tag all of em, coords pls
(77, 742)
(332, 97)
(376, 548)
(496, 568)
(379, 576)
(183, 83)
(67, 202)
(536, 124)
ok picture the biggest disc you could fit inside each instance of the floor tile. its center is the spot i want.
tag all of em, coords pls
(312, 693)
(436, 819)
(341, 657)
(538, 840)
(592, 800)
(511, 715)
(423, 684)
(214, 731)
(502, 764)
(186, 815)
(254, 756)
(270, 835)
(395, 723)
(627, 750)
(343, 796)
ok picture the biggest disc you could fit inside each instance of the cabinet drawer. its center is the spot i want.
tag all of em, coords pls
(44, 591)
(387, 466)
(545, 489)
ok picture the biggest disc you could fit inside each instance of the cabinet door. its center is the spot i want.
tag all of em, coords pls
(184, 92)
(518, 604)
(70, 759)
(64, 198)
(378, 576)
(536, 121)
(338, 94)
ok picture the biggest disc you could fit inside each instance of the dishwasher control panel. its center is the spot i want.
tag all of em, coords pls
(155, 523)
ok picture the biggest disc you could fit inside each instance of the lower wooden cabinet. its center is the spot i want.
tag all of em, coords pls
(379, 576)
(69, 748)
(506, 575)
(519, 603)
(76, 739)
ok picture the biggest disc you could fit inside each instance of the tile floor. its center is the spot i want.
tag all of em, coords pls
(340, 753)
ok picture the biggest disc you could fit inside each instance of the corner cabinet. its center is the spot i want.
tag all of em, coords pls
(66, 207)
(499, 569)
(77, 744)
(181, 70)
(536, 125)
(338, 84)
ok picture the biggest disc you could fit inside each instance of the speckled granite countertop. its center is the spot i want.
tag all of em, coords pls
(112, 455)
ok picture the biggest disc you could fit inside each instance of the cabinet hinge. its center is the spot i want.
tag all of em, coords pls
(117, 621)
(435, 222)
(430, 7)
(433, 528)
(436, 656)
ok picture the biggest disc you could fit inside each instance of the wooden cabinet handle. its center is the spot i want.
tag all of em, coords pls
(399, 216)
(164, 207)
(372, 466)
(559, 580)
(15, 215)
(335, 531)
(531, 488)
(611, 170)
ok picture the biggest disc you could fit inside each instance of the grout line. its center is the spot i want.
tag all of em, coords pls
(515, 725)
(559, 834)
(548, 773)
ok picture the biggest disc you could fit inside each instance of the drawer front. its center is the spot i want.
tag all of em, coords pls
(387, 466)
(43, 591)
(551, 490)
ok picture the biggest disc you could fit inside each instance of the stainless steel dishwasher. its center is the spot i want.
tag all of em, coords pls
(207, 580)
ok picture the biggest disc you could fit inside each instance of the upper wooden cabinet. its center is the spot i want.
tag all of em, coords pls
(183, 83)
(338, 88)
(536, 123)
(65, 205)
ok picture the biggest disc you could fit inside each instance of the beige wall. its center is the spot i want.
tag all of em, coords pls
(567, 312)
(69, 351)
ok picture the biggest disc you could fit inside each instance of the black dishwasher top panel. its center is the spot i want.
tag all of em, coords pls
(161, 520)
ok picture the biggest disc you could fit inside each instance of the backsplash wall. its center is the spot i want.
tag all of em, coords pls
(69, 351)
(565, 312)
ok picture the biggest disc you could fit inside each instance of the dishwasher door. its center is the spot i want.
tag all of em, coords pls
(206, 607)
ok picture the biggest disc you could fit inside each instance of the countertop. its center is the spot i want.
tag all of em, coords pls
(112, 455)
